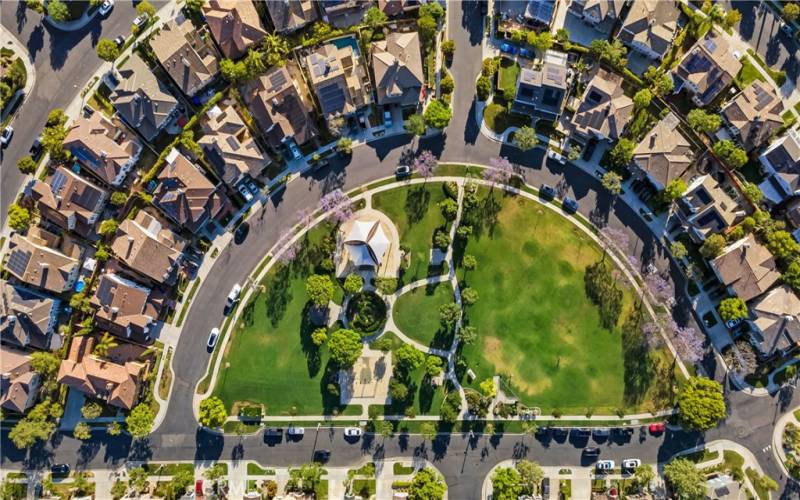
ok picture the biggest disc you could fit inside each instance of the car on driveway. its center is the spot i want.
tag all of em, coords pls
(402, 171)
(556, 156)
(509, 49)
(251, 185)
(246, 194)
(631, 463)
(5, 136)
(547, 192)
(295, 151)
(212, 338)
(387, 119)
(352, 432)
(656, 428)
(106, 7)
(733, 323)
(604, 465)
(570, 205)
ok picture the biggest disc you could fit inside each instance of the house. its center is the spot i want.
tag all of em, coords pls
(185, 195)
(393, 8)
(27, 318)
(781, 164)
(104, 148)
(69, 200)
(229, 147)
(143, 101)
(708, 68)
(126, 308)
(150, 249)
(116, 383)
(604, 110)
(664, 154)
(723, 487)
(235, 25)
(339, 78)
(397, 66)
(776, 327)
(44, 260)
(541, 91)
(650, 27)
(706, 208)
(344, 13)
(288, 16)
(18, 380)
(602, 14)
(187, 54)
(754, 115)
(747, 268)
(539, 13)
(277, 105)
(792, 214)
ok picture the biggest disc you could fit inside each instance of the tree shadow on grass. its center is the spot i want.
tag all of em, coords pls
(311, 350)
(278, 295)
(637, 363)
(425, 396)
(330, 402)
(417, 201)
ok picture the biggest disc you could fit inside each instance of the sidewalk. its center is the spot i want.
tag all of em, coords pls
(10, 41)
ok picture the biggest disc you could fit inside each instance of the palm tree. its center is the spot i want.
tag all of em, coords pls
(106, 343)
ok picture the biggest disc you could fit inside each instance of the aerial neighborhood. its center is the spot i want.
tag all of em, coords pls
(456, 223)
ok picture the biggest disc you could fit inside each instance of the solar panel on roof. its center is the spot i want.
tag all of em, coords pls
(58, 181)
(18, 261)
(331, 97)
(710, 45)
(278, 79)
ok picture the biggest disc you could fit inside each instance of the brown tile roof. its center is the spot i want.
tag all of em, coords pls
(38, 260)
(125, 308)
(710, 207)
(755, 113)
(147, 247)
(710, 66)
(185, 194)
(26, 317)
(188, 57)
(118, 384)
(778, 318)
(18, 381)
(278, 107)
(747, 267)
(664, 153)
(235, 25)
(598, 9)
(604, 109)
(106, 149)
(394, 7)
(397, 65)
(229, 147)
(288, 16)
(68, 199)
(651, 23)
(339, 79)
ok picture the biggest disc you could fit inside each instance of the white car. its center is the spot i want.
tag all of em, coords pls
(247, 195)
(212, 338)
(234, 295)
(106, 7)
(295, 151)
(295, 431)
(631, 463)
(352, 432)
(605, 465)
(5, 136)
(555, 156)
(140, 21)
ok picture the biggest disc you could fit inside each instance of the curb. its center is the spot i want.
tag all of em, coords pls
(75, 25)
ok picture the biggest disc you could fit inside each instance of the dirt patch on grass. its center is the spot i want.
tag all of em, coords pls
(493, 352)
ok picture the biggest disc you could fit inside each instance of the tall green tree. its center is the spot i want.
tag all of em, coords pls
(701, 404)
(107, 50)
(26, 165)
(140, 421)
(212, 412)
(622, 152)
(732, 308)
(702, 121)
(437, 114)
(58, 11)
(506, 484)
(612, 182)
(19, 218)
(105, 344)
(319, 288)
(45, 363)
(375, 18)
(415, 125)
(525, 138)
(345, 347)
(427, 484)
(686, 480)
(712, 246)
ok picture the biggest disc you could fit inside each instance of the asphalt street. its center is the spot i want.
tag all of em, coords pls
(62, 61)
(463, 459)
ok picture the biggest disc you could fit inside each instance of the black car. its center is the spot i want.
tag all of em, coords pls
(60, 469)
(570, 205)
(546, 487)
(591, 452)
(581, 433)
(322, 456)
(547, 192)
(273, 432)
(36, 147)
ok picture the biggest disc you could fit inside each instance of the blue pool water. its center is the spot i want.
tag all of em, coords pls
(344, 42)
(80, 285)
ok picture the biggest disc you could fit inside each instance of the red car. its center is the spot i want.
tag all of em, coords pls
(198, 488)
(657, 428)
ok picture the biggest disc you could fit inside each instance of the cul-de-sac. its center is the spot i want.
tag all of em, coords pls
(400, 249)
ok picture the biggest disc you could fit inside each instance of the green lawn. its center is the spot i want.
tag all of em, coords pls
(535, 324)
(499, 119)
(271, 359)
(779, 77)
(748, 74)
(414, 211)
(424, 328)
(507, 75)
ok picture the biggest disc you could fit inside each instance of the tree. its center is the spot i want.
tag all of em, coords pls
(82, 431)
(45, 363)
(622, 152)
(469, 296)
(415, 125)
(119, 198)
(732, 155)
(791, 11)
(90, 411)
(686, 480)
(137, 479)
(500, 172)
(701, 121)
(212, 412)
(54, 134)
(345, 145)
(449, 314)
(105, 344)
(613, 53)
(732, 18)
(525, 138)
(433, 9)
(19, 218)
(232, 71)
(375, 18)
(409, 358)
(541, 41)
(140, 421)
(488, 388)
(397, 389)
(792, 275)
(305, 478)
(713, 246)
(58, 11)
(732, 308)
(428, 431)
(319, 336)
(753, 192)
(642, 98)
(145, 7)
(441, 239)
(425, 164)
(701, 404)
(427, 484)
(319, 288)
(782, 244)
(28, 431)
(483, 87)
(353, 284)
(660, 82)
(114, 429)
(673, 190)
(447, 85)
(467, 334)
(107, 50)
(178, 484)
(449, 48)
(26, 165)
(469, 262)
(345, 347)
(433, 366)
(574, 152)
(612, 182)
(678, 250)
(644, 475)
(215, 472)
(108, 228)
(530, 474)
(449, 209)
(490, 66)
(437, 114)
(506, 484)
(426, 27)
(194, 6)
(118, 489)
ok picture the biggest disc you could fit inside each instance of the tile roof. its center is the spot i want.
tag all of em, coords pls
(147, 247)
(747, 267)
(598, 9)
(755, 113)
(604, 109)
(397, 65)
(339, 78)
(103, 147)
(18, 381)
(394, 7)
(229, 147)
(38, 260)
(651, 23)
(124, 307)
(25, 316)
(235, 25)
(708, 206)
(710, 66)
(67, 199)
(778, 318)
(189, 58)
(784, 157)
(288, 16)
(664, 153)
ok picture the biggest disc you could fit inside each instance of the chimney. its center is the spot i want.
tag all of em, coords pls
(130, 247)
(114, 311)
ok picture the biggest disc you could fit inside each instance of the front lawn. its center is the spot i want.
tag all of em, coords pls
(507, 75)
(424, 328)
(748, 74)
(498, 118)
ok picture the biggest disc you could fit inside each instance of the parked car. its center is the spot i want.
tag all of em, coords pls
(591, 451)
(656, 428)
(247, 195)
(570, 205)
(140, 21)
(545, 488)
(604, 465)
(509, 49)
(36, 147)
(296, 431)
(523, 52)
(59, 469)
(352, 432)
(5, 136)
(198, 488)
(387, 119)
(631, 463)
(273, 432)
(601, 433)
(251, 185)
(402, 171)
(120, 41)
(547, 192)
(234, 295)
(106, 7)
(322, 456)
(295, 151)
(556, 156)
(581, 433)
(212, 338)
